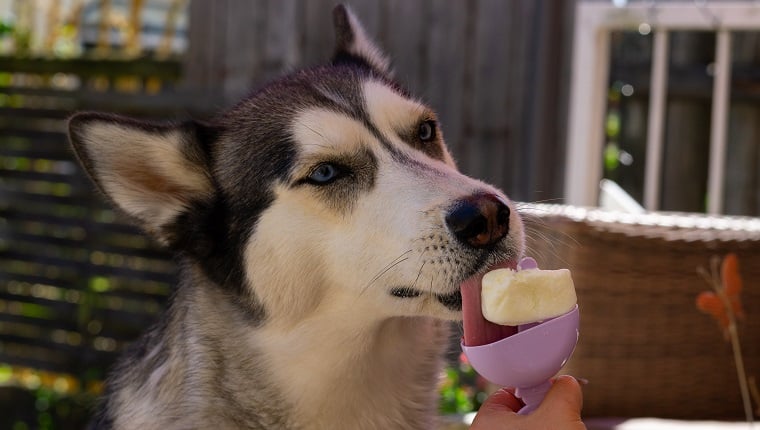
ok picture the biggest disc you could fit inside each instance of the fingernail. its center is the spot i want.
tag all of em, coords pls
(582, 381)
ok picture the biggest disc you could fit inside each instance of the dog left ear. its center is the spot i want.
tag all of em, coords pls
(352, 44)
(152, 172)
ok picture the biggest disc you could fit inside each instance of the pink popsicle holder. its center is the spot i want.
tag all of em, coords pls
(528, 359)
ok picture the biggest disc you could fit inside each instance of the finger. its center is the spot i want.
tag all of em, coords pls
(501, 400)
(497, 410)
(565, 397)
(582, 381)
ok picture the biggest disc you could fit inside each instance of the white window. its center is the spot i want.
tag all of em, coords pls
(596, 25)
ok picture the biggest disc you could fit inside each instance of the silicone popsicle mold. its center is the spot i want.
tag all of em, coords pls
(528, 359)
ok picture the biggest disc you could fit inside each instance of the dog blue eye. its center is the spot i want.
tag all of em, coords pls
(324, 174)
(426, 131)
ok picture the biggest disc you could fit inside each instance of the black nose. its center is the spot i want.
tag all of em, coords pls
(479, 221)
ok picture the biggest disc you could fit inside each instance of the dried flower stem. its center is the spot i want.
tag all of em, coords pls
(721, 279)
(743, 386)
(733, 334)
(755, 393)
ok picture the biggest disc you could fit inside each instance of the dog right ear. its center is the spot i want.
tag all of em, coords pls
(352, 43)
(152, 172)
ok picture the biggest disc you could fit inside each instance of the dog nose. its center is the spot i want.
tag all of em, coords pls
(479, 221)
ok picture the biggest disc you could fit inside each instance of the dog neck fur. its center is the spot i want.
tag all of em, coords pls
(328, 372)
(335, 374)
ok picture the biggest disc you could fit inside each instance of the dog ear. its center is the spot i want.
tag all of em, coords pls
(352, 44)
(152, 172)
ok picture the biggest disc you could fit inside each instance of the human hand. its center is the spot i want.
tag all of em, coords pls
(561, 409)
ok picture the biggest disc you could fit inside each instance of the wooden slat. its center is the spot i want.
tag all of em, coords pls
(246, 26)
(36, 176)
(33, 140)
(544, 105)
(36, 112)
(656, 123)
(12, 259)
(409, 48)
(20, 196)
(590, 65)
(53, 355)
(169, 105)
(282, 47)
(450, 29)
(76, 283)
(316, 31)
(146, 250)
(742, 158)
(65, 318)
(33, 152)
(88, 67)
(686, 154)
(498, 119)
(66, 352)
(372, 15)
(53, 313)
(86, 218)
(68, 292)
(35, 357)
(66, 280)
(719, 122)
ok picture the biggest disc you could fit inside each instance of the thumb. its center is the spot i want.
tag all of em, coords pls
(502, 400)
(563, 399)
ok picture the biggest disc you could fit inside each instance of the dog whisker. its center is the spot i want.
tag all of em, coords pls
(395, 262)
(530, 205)
(546, 241)
(418, 274)
(431, 285)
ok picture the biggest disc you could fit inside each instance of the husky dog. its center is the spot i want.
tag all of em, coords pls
(323, 232)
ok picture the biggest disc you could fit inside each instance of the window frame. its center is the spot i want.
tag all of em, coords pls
(594, 22)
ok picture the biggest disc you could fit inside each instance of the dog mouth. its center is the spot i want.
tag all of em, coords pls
(465, 299)
(451, 301)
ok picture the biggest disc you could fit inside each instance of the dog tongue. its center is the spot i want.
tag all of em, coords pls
(477, 330)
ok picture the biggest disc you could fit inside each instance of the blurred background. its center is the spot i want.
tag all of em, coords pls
(603, 114)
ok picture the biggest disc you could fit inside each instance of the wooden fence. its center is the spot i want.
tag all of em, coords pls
(76, 282)
(68, 266)
(494, 70)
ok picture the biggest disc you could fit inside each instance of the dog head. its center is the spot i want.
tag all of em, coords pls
(331, 187)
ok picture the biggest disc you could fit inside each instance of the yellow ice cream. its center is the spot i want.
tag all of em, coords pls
(512, 297)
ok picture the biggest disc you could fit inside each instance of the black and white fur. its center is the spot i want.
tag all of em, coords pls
(323, 233)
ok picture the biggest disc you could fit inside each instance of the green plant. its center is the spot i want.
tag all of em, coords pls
(462, 390)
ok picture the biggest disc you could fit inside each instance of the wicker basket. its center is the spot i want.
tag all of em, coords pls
(644, 347)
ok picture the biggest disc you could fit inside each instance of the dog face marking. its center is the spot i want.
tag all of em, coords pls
(374, 156)
(393, 112)
(340, 150)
